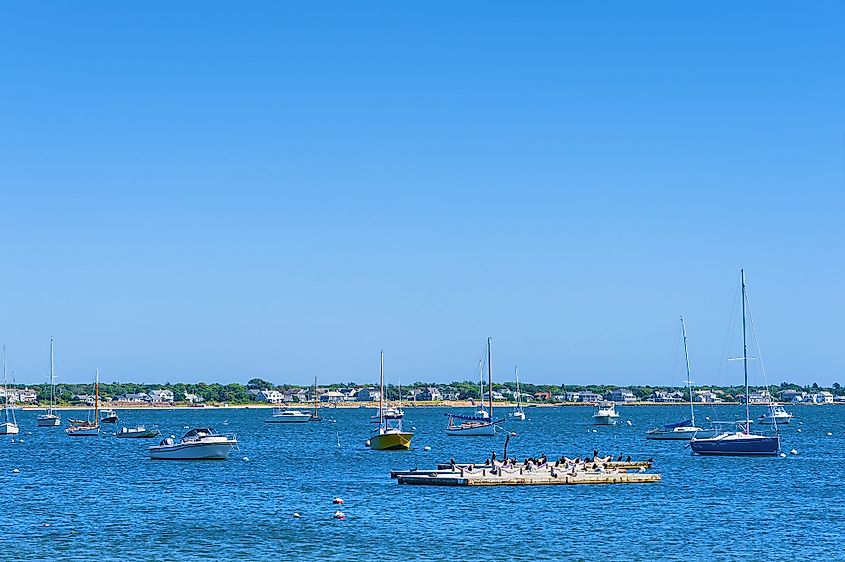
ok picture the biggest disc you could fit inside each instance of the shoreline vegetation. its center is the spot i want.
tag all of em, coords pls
(259, 393)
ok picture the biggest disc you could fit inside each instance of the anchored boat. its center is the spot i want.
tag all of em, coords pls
(137, 432)
(50, 418)
(9, 425)
(481, 424)
(518, 413)
(288, 416)
(84, 428)
(776, 415)
(685, 430)
(389, 433)
(605, 414)
(743, 442)
(201, 443)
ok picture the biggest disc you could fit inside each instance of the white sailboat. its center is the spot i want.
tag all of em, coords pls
(50, 418)
(684, 430)
(10, 424)
(518, 413)
(482, 423)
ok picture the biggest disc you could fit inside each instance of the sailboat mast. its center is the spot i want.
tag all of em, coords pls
(381, 392)
(52, 383)
(518, 395)
(481, 381)
(689, 376)
(97, 397)
(5, 389)
(315, 396)
(744, 349)
(490, 376)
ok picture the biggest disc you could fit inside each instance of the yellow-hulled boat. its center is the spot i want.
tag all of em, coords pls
(391, 439)
(389, 434)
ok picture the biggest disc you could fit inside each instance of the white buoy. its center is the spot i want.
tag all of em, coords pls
(339, 515)
(595, 431)
(20, 440)
(427, 448)
(629, 422)
(337, 501)
(829, 434)
(793, 452)
(296, 514)
(798, 430)
(246, 459)
(15, 471)
(367, 442)
(783, 455)
(707, 418)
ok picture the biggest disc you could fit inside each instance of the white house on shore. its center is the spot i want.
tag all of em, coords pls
(160, 395)
(270, 396)
(621, 395)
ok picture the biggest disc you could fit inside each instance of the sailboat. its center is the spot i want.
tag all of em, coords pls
(50, 418)
(740, 443)
(683, 430)
(315, 416)
(9, 425)
(87, 428)
(518, 413)
(482, 423)
(389, 433)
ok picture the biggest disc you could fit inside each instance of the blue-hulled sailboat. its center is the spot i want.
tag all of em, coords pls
(739, 443)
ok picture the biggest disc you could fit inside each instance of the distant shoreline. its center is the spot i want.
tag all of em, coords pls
(374, 405)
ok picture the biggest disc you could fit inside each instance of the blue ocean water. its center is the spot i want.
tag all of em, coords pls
(85, 498)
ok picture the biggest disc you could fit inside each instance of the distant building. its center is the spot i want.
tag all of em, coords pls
(333, 396)
(87, 399)
(661, 396)
(193, 398)
(621, 395)
(497, 396)
(792, 396)
(542, 396)
(161, 395)
(134, 398)
(706, 396)
(582, 396)
(19, 395)
(270, 397)
(367, 395)
(430, 394)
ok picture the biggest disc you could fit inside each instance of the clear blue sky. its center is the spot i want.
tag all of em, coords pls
(221, 190)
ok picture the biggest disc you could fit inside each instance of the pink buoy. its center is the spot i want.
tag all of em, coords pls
(339, 515)
(337, 501)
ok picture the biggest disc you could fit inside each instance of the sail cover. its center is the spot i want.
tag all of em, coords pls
(678, 424)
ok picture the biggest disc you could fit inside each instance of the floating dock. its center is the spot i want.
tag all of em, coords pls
(627, 465)
(522, 477)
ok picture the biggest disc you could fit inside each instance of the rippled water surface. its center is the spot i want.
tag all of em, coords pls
(86, 498)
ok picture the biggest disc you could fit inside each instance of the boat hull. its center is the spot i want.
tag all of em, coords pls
(605, 420)
(391, 441)
(109, 419)
(288, 419)
(192, 452)
(83, 431)
(9, 428)
(736, 446)
(480, 430)
(49, 421)
(680, 434)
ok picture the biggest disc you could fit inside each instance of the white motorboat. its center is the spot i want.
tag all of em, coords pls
(776, 415)
(391, 413)
(605, 414)
(109, 416)
(201, 443)
(50, 418)
(137, 432)
(288, 416)
(9, 425)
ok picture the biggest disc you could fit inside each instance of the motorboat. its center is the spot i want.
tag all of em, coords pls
(109, 416)
(288, 416)
(137, 432)
(201, 443)
(390, 413)
(776, 415)
(605, 414)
